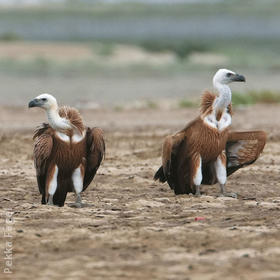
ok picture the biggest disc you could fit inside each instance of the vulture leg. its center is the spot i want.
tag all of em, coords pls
(197, 174)
(51, 184)
(78, 179)
(79, 199)
(43, 200)
(228, 194)
(50, 200)
(197, 191)
(221, 174)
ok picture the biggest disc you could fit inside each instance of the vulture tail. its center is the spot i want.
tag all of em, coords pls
(160, 175)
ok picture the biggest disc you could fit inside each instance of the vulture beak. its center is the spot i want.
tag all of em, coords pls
(238, 78)
(34, 103)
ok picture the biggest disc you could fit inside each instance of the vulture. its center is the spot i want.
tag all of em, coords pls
(66, 153)
(206, 151)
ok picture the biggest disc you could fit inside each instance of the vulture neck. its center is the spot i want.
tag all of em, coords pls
(56, 122)
(224, 98)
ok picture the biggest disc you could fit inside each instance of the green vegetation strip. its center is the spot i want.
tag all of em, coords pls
(241, 99)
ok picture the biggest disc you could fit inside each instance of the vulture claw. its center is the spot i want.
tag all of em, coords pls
(228, 194)
(78, 202)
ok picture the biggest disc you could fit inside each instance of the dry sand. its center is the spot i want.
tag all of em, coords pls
(135, 228)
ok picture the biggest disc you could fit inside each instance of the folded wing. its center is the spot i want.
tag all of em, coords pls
(95, 153)
(42, 150)
(175, 164)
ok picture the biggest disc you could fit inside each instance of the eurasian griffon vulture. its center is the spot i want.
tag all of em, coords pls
(66, 153)
(205, 151)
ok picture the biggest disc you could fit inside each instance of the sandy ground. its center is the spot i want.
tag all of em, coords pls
(135, 228)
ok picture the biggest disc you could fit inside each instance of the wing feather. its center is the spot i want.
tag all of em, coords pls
(169, 150)
(243, 148)
(175, 165)
(95, 153)
(43, 144)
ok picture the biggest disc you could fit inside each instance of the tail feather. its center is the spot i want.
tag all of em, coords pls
(160, 175)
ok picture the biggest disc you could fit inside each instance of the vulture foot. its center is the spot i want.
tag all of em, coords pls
(228, 194)
(197, 191)
(78, 203)
(50, 200)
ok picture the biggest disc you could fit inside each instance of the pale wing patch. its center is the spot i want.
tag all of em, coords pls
(53, 182)
(221, 171)
(243, 148)
(76, 138)
(78, 179)
(62, 136)
(198, 173)
(241, 152)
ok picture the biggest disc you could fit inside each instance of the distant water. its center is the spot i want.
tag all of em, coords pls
(37, 2)
(89, 91)
(84, 26)
(160, 1)
(89, 28)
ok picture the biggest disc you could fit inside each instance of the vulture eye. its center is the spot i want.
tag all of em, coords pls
(229, 75)
(44, 99)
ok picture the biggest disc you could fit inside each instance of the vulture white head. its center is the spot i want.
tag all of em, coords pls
(222, 78)
(49, 104)
(45, 101)
(225, 76)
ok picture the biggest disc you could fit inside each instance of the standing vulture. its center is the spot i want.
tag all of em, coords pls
(66, 153)
(205, 151)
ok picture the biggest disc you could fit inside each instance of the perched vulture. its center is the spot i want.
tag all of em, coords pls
(66, 153)
(205, 151)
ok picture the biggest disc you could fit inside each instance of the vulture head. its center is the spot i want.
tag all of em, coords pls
(45, 101)
(225, 76)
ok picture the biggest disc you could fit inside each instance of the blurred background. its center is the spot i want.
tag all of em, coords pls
(139, 52)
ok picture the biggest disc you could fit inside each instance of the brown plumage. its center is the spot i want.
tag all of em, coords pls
(73, 115)
(205, 151)
(207, 101)
(52, 152)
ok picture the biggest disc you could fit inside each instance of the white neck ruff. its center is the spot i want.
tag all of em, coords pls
(224, 98)
(56, 122)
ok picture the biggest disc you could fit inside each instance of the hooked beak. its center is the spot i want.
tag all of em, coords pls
(34, 103)
(238, 78)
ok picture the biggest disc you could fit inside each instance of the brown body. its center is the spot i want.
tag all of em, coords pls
(51, 152)
(183, 151)
(204, 140)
